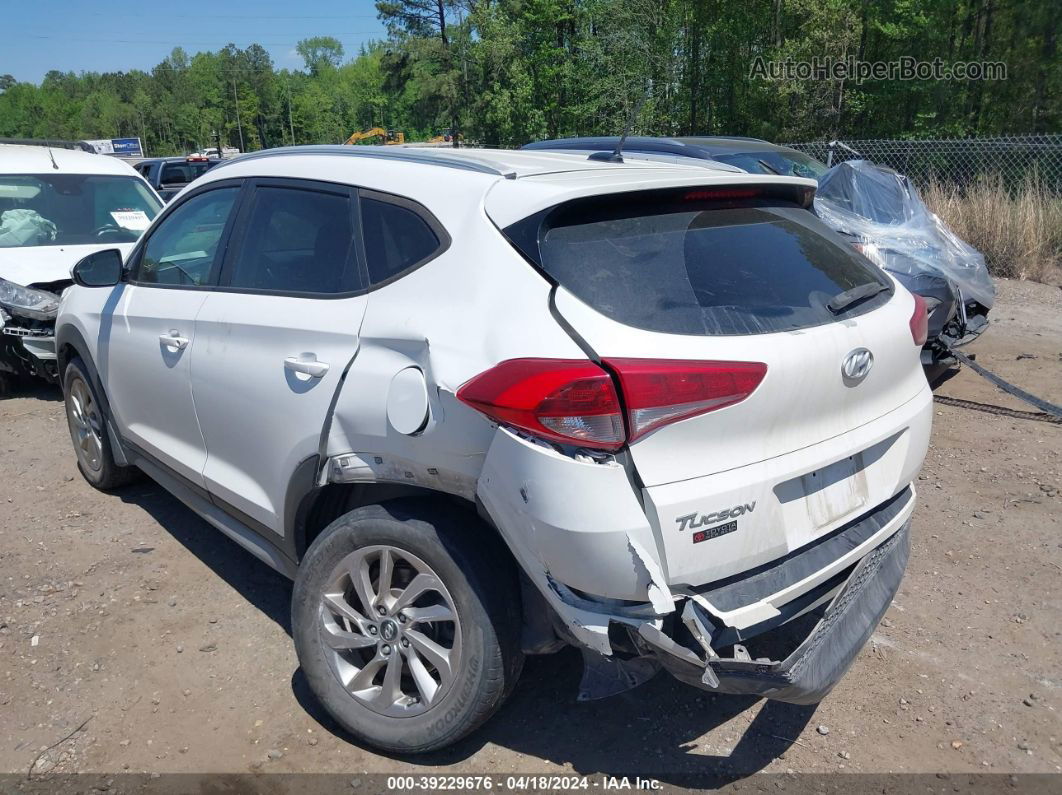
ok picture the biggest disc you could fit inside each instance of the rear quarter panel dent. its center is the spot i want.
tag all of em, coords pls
(580, 522)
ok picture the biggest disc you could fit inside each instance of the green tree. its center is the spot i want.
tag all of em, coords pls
(320, 52)
(502, 72)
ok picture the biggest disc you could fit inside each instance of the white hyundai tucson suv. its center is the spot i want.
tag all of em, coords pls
(482, 404)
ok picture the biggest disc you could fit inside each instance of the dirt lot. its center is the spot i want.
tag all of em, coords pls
(129, 612)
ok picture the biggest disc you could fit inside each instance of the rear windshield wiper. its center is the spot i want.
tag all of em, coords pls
(843, 301)
(769, 167)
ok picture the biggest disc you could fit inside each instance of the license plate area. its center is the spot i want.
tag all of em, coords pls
(835, 491)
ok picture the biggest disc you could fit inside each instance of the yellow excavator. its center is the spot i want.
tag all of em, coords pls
(446, 136)
(390, 137)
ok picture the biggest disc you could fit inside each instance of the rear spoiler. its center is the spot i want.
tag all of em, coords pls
(525, 234)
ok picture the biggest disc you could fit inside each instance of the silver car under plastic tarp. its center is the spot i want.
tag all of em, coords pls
(881, 211)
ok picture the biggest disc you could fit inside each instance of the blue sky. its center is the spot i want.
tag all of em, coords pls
(74, 35)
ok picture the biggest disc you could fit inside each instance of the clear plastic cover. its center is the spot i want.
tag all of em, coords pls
(882, 210)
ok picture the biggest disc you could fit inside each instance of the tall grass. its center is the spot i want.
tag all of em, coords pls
(1019, 231)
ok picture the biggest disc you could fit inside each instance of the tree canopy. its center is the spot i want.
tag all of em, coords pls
(504, 72)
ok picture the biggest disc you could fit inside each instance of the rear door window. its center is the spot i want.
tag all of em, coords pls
(702, 267)
(297, 240)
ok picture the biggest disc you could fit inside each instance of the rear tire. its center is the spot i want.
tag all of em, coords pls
(403, 672)
(86, 420)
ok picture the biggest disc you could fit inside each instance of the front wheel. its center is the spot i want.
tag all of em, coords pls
(406, 626)
(88, 431)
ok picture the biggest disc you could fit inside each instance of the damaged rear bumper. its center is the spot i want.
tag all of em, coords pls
(592, 562)
(807, 674)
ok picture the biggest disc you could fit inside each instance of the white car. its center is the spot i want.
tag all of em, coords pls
(56, 206)
(481, 404)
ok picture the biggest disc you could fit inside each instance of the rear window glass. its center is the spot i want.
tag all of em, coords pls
(701, 269)
(182, 173)
(788, 164)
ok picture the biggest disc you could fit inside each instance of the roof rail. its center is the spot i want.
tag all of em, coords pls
(732, 138)
(635, 143)
(434, 157)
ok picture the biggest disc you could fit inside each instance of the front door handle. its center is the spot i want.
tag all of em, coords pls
(306, 364)
(174, 340)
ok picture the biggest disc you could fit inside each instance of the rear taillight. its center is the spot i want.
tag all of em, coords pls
(565, 400)
(660, 391)
(576, 402)
(919, 321)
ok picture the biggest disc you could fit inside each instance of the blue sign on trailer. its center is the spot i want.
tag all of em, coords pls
(123, 147)
(127, 147)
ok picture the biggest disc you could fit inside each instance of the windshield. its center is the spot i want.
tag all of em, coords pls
(787, 164)
(73, 209)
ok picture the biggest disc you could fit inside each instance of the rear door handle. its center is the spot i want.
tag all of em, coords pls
(306, 364)
(174, 340)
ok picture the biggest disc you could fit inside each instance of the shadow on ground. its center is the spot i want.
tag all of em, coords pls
(938, 375)
(31, 388)
(650, 731)
(260, 585)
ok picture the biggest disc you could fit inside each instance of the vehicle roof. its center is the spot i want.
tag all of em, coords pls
(697, 146)
(723, 145)
(506, 163)
(19, 159)
(508, 184)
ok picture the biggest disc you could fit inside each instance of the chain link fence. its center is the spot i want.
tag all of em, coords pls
(958, 161)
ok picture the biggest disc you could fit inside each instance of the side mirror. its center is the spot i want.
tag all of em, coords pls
(99, 269)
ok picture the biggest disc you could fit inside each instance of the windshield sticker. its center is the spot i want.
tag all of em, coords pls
(136, 220)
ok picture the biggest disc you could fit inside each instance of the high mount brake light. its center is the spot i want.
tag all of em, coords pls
(802, 195)
(576, 402)
(722, 194)
(919, 321)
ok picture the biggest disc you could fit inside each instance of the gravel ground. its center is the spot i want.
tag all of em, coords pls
(128, 612)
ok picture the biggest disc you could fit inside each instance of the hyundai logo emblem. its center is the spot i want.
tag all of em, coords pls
(856, 365)
(389, 630)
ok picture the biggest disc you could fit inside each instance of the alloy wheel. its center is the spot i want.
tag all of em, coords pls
(391, 630)
(86, 425)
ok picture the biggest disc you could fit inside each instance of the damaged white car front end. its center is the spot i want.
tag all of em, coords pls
(56, 207)
(32, 281)
(27, 338)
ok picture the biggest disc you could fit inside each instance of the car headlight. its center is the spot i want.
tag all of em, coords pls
(25, 301)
